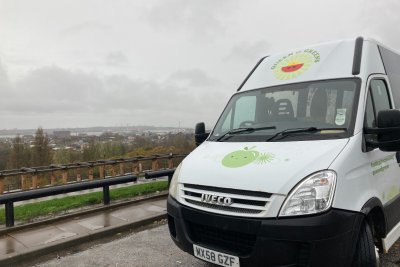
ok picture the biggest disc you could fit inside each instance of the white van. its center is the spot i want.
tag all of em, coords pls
(302, 167)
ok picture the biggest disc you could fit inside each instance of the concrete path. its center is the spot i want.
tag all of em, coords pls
(153, 247)
(20, 245)
(148, 248)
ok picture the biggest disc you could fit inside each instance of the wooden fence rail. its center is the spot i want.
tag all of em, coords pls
(45, 176)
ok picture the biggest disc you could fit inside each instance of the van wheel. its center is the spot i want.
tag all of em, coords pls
(366, 254)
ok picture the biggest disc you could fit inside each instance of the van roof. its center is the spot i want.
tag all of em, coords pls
(330, 60)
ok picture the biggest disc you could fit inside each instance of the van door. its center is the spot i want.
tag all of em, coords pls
(384, 167)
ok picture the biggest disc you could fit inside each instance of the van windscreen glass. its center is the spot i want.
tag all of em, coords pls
(304, 111)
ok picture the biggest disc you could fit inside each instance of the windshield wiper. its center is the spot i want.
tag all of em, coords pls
(287, 132)
(244, 130)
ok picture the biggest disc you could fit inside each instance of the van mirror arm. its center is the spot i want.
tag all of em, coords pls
(387, 139)
(383, 143)
(200, 134)
(368, 130)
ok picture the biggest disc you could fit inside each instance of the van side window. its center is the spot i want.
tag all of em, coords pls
(380, 95)
(378, 99)
(369, 112)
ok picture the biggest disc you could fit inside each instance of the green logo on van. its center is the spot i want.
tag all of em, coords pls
(246, 156)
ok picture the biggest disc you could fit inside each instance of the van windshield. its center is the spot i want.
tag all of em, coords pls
(303, 111)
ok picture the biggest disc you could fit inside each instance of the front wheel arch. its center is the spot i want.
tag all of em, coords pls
(375, 216)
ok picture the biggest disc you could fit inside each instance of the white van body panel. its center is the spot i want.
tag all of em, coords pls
(365, 175)
(283, 166)
(335, 61)
(371, 62)
(362, 176)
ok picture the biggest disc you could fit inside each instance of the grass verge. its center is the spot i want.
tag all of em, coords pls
(25, 213)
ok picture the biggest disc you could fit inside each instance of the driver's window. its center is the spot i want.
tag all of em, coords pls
(378, 99)
(245, 111)
(380, 95)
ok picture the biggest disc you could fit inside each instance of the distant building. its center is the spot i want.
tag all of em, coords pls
(62, 134)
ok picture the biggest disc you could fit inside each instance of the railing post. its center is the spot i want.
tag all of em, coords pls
(23, 182)
(34, 181)
(170, 162)
(106, 195)
(65, 176)
(1, 185)
(90, 173)
(121, 169)
(101, 171)
(154, 164)
(53, 179)
(9, 214)
(78, 175)
(140, 166)
(113, 170)
(137, 167)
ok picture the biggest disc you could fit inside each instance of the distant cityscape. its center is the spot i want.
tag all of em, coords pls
(79, 138)
(4, 133)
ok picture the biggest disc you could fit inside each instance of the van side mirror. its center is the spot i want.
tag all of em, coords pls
(388, 131)
(200, 134)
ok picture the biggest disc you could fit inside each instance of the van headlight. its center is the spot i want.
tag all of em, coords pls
(173, 186)
(313, 195)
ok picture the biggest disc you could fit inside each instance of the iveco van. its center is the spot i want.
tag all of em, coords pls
(302, 167)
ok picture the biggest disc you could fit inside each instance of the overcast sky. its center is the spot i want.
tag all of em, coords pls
(79, 63)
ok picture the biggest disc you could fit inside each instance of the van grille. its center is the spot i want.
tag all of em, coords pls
(244, 202)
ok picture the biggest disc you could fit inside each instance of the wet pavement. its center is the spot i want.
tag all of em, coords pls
(153, 247)
(43, 237)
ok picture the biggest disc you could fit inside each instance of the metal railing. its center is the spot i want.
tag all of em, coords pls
(67, 186)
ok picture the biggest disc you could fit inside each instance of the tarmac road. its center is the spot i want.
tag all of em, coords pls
(154, 247)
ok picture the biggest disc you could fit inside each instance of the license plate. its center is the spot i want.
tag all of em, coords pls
(216, 257)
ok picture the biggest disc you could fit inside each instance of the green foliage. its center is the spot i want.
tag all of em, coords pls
(65, 156)
(20, 154)
(104, 150)
(27, 212)
(108, 145)
(5, 153)
(62, 156)
(41, 152)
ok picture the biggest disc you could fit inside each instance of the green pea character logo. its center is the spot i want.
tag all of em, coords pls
(246, 156)
(240, 158)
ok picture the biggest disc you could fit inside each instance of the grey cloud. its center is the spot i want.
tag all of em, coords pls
(4, 82)
(53, 81)
(116, 58)
(50, 93)
(248, 51)
(379, 19)
(200, 18)
(192, 77)
(88, 26)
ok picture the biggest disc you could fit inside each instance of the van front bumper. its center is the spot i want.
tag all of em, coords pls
(328, 239)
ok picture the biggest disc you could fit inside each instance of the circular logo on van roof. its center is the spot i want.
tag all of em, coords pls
(294, 64)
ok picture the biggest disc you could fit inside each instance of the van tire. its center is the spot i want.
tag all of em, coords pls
(365, 254)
